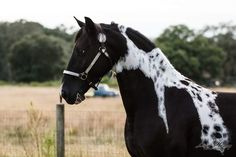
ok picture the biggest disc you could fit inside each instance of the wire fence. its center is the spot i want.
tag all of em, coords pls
(31, 133)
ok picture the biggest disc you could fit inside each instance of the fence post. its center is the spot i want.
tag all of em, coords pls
(60, 131)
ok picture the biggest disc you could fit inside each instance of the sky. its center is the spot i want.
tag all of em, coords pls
(150, 17)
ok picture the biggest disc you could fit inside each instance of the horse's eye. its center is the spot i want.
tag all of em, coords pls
(81, 52)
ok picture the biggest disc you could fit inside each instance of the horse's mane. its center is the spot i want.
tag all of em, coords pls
(140, 40)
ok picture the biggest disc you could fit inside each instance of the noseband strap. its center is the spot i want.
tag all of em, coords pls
(101, 51)
(71, 73)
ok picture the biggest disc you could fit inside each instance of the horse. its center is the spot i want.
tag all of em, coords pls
(167, 114)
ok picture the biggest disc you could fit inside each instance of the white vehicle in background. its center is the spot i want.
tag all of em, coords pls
(103, 91)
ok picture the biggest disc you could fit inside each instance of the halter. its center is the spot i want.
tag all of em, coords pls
(101, 51)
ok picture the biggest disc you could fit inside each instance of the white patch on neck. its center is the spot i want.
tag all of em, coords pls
(156, 66)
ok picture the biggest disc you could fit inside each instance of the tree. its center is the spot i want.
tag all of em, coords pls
(12, 33)
(9, 34)
(192, 54)
(37, 58)
(3, 60)
(228, 43)
(60, 32)
(224, 35)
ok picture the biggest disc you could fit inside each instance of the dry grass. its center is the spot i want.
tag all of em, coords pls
(225, 89)
(93, 128)
(45, 98)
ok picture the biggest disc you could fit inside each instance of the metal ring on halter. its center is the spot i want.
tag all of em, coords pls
(102, 49)
(83, 76)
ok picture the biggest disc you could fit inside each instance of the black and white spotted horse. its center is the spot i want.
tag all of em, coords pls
(168, 115)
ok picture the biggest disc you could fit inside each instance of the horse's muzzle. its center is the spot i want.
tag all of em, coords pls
(79, 98)
(76, 99)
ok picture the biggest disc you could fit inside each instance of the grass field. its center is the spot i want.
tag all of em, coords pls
(27, 124)
(93, 128)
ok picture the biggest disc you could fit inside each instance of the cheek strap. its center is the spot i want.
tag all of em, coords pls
(102, 50)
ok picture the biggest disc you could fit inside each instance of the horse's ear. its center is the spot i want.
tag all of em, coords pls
(80, 23)
(89, 25)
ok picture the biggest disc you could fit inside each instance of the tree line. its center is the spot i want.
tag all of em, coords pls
(207, 55)
(31, 52)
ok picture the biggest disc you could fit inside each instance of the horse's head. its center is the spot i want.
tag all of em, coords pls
(94, 54)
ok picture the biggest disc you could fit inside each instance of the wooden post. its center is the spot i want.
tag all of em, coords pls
(60, 137)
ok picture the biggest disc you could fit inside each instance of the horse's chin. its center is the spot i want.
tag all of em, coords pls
(79, 98)
(77, 102)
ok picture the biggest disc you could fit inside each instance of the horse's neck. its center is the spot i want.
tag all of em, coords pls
(153, 64)
(137, 91)
(155, 68)
(143, 78)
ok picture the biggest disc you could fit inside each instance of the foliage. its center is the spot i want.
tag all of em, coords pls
(9, 34)
(59, 32)
(22, 30)
(36, 58)
(225, 37)
(191, 53)
(30, 52)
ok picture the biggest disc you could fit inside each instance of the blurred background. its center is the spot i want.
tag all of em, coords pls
(36, 39)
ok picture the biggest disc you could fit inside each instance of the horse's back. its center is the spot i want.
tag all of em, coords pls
(227, 107)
